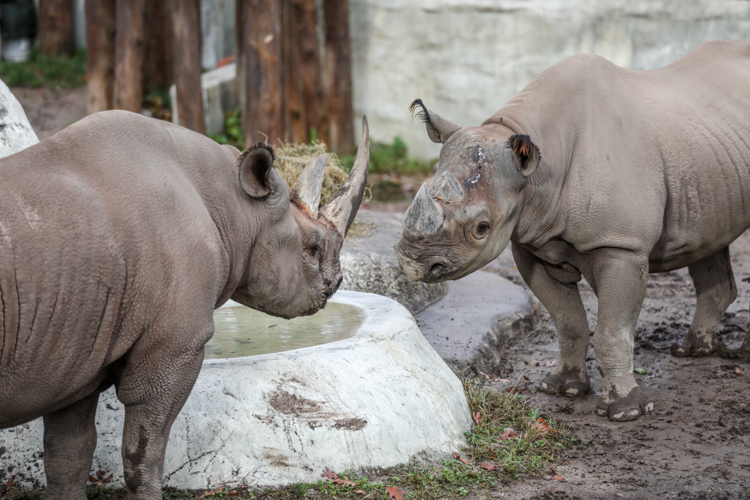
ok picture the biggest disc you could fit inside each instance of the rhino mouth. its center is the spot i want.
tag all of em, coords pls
(431, 269)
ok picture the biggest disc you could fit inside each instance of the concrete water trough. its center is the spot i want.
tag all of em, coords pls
(375, 398)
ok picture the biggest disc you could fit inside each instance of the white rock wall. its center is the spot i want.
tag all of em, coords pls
(466, 58)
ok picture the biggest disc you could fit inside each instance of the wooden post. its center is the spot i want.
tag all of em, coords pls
(295, 116)
(55, 27)
(128, 92)
(311, 68)
(339, 76)
(261, 84)
(100, 53)
(157, 42)
(186, 44)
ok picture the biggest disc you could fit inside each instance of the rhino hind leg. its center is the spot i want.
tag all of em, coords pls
(153, 391)
(563, 301)
(715, 290)
(69, 443)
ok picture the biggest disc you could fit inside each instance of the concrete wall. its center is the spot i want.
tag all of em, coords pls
(466, 58)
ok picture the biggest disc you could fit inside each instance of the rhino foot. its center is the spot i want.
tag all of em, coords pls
(696, 345)
(622, 409)
(566, 381)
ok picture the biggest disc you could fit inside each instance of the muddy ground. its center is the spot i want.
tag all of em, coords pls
(696, 444)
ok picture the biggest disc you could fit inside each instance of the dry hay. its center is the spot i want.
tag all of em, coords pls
(291, 159)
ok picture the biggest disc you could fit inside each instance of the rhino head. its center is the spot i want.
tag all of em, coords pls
(466, 216)
(293, 266)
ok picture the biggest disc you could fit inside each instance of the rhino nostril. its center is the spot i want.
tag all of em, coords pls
(436, 270)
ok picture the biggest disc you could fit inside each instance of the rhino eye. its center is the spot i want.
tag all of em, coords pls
(482, 229)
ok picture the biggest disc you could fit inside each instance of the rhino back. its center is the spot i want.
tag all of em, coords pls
(659, 157)
(104, 238)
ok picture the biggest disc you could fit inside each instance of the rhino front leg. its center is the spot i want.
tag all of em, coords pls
(715, 290)
(153, 388)
(69, 443)
(619, 277)
(563, 301)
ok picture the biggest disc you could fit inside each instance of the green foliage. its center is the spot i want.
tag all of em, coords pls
(46, 71)
(232, 131)
(392, 159)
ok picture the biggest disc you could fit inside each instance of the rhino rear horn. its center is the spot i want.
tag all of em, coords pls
(447, 188)
(342, 209)
(438, 128)
(305, 193)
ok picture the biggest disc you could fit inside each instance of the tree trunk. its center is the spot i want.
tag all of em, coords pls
(129, 55)
(261, 86)
(157, 41)
(186, 30)
(339, 76)
(100, 52)
(310, 67)
(55, 27)
(295, 117)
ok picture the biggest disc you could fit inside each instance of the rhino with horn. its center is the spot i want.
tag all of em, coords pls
(118, 238)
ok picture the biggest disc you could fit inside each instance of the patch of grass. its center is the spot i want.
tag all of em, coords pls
(46, 71)
(392, 159)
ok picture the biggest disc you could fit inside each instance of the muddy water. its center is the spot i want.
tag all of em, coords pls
(241, 331)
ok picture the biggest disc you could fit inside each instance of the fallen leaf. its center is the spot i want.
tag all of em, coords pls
(394, 493)
(526, 378)
(558, 478)
(485, 375)
(504, 380)
(641, 371)
(458, 457)
(510, 389)
(344, 481)
(508, 434)
(329, 474)
(739, 372)
(543, 427)
(487, 466)
(360, 492)
(477, 417)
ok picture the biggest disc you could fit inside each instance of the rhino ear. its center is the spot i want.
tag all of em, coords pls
(526, 155)
(255, 165)
(438, 128)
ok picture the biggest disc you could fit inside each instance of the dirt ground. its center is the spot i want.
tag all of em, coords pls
(696, 444)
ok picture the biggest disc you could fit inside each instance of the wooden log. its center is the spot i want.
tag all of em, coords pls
(295, 117)
(339, 76)
(261, 87)
(157, 42)
(186, 45)
(100, 53)
(128, 92)
(55, 27)
(310, 67)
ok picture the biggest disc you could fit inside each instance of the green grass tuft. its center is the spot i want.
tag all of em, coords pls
(392, 159)
(46, 71)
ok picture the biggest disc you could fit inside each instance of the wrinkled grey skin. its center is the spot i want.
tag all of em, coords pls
(599, 172)
(118, 238)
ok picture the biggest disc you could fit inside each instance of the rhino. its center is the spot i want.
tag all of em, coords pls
(119, 236)
(604, 173)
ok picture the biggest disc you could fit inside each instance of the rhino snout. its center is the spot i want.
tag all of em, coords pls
(431, 269)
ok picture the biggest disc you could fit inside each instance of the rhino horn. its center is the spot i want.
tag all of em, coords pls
(447, 188)
(342, 209)
(438, 128)
(305, 192)
(424, 216)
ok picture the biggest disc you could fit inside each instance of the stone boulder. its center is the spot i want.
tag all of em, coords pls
(369, 263)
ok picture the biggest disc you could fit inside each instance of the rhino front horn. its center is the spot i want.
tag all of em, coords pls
(424, 216)
(342, 209)
(305, 192)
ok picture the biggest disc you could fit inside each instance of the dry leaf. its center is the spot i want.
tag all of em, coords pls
(508, 434)
(739, 372)
(477, 417)
(458, 457)
(394, 493)
(329, 474)
(487, 466)
(344, 481)
(558, 478)
(360, 492)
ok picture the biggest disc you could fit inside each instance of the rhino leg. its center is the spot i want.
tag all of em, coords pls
(69, 443)
(563, 302)
(715, 290)
(154, 386)
(619, 277)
